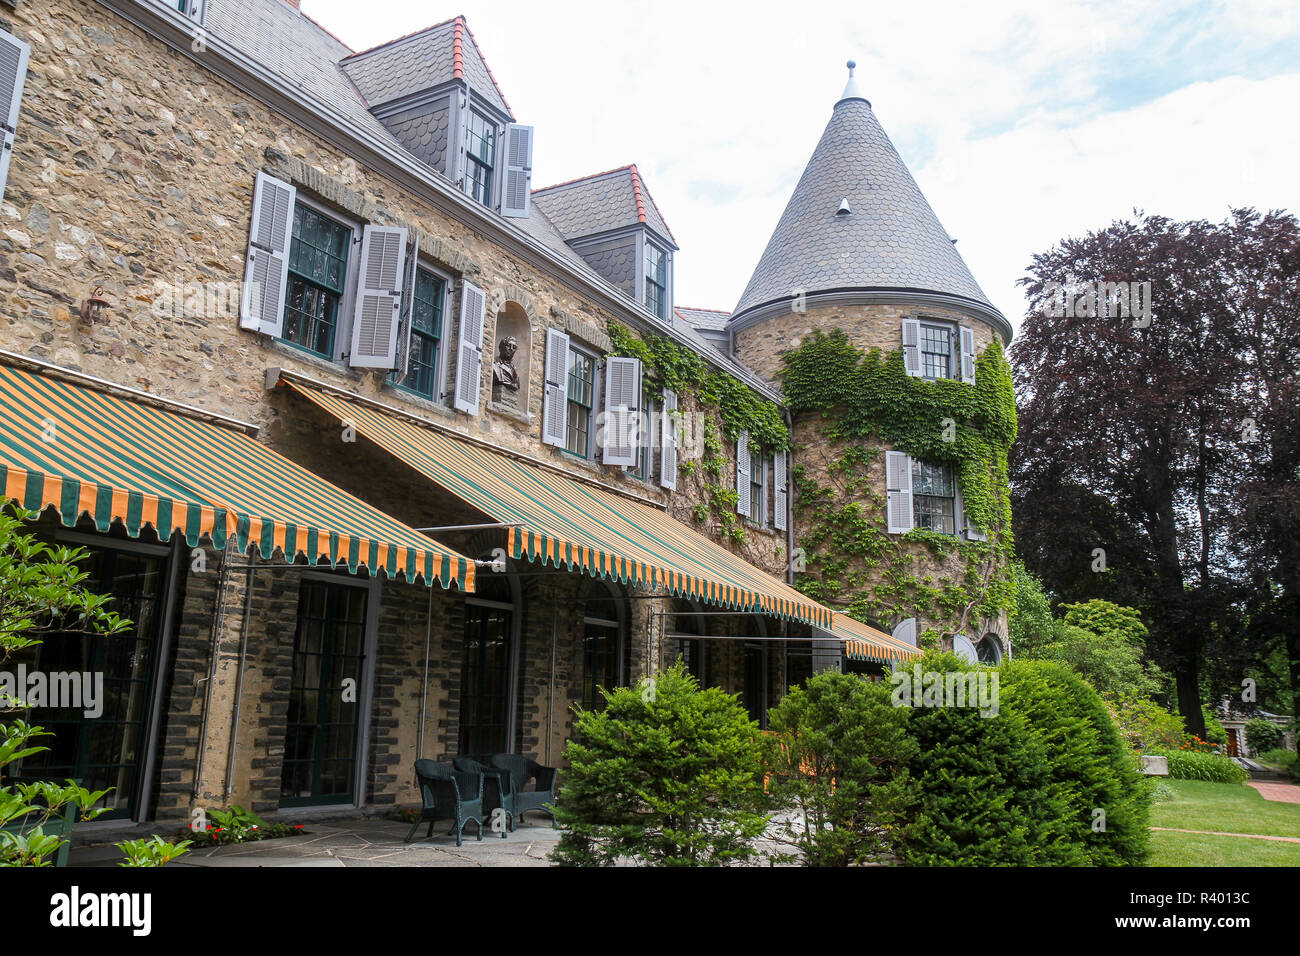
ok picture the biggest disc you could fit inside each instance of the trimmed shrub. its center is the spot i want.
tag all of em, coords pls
(666, 774)
(987, 793)
(1193, 765)
(1090, 768)
(837, 755)
(1145, 725)
(1262, 735)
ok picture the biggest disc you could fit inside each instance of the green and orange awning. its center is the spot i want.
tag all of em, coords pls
(569, 524)
(87, 452)
(864, 643)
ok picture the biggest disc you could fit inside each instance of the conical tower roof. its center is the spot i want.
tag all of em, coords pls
(857, 221)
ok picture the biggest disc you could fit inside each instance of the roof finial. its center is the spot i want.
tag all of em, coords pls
(851, 91)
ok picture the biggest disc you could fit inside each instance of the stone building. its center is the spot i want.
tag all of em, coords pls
(358, 427)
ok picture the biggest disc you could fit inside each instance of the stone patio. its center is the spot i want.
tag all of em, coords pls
(364, 843)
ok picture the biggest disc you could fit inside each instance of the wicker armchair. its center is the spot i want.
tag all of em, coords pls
(523, 769)
(448, 794)
(497, 791)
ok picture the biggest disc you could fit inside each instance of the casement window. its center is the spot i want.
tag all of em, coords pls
(14, 54)
(318, 272)
(480, 157)
(645, 465)
(656, 280)
(427, 305)
(581, 397)
(934, 497)
(938, 350)
(923, 495)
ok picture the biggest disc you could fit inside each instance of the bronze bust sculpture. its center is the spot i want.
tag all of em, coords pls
(503, 369)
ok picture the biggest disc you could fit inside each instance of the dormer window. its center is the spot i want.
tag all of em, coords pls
(656, 280)
(480, 157)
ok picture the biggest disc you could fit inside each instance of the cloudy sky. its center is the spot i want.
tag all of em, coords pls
(1023, 122)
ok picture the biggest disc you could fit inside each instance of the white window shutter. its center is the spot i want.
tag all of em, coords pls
(668, 441)
(898, 492)
(266, 269)
(194, 9)
(555, 402)
(469, 354)
(621, 419)
(13, 74)
(912, 347)
(379, 298)
(781, 495)
(402, 362)
(519, 171)
(905, 631)
(967, 355)
(743, 466)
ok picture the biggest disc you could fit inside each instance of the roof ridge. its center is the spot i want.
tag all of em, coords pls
(695, 308)
(395, 40)
(636, 194)
(583, 179)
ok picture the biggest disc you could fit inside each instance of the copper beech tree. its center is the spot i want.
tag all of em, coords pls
(1157, 459)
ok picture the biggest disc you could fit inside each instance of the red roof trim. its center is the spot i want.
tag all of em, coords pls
(636, 194)
(458, 48)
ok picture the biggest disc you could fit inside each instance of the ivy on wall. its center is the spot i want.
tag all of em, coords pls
(735, 406)
(859, 402)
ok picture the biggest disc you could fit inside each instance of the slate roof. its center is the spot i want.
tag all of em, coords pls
(614, 199)
(710, 320)
(891, 239)
(421, 61)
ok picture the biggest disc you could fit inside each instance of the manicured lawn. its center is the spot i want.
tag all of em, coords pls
(1191, 849)
(1227, 808)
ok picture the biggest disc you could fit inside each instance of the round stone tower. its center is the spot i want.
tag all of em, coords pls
(859, 251)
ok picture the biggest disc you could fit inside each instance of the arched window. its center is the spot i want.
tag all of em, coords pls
(989, 650)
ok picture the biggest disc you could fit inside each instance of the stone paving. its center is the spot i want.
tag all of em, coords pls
(1278, 792)
(365, 843)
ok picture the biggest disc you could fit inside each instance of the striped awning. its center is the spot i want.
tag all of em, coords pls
(571, 524)
(865, 643)
(86, 452)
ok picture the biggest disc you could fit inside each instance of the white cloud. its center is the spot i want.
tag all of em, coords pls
(1023, 122)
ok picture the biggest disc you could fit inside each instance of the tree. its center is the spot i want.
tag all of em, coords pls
(837, 769)
(666, 774)
(1127, 475)
(41, 588)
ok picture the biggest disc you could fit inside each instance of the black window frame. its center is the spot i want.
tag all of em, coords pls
(438, 341)
(481, 170)
(343, 293)
(951, 356)
(924, 517)
(659, 284)
(587, 418)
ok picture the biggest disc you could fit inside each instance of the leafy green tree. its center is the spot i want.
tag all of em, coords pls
(1108, 620)
(1030, 618)
(666, 774)
(1107, 661)
(837, 760)
(988, 794)
(42, 588)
